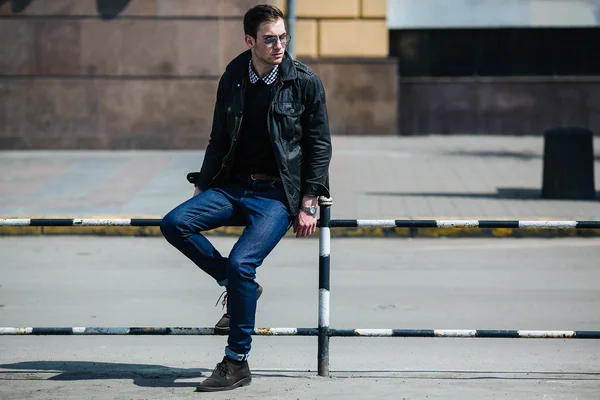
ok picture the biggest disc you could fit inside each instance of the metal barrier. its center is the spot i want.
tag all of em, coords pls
(323, 332)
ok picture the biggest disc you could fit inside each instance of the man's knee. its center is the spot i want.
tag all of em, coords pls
(240, 268)
(171, 224)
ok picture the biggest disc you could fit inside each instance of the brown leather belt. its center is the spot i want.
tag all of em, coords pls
(262, 177)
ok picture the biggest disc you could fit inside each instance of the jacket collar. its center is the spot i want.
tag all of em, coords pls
(239, 66)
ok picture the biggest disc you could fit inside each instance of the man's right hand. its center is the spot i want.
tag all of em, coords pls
(197, 191)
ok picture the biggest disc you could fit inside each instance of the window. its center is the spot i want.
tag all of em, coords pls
(496, 52)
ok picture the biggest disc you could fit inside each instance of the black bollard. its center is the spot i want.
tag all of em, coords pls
(568, 164)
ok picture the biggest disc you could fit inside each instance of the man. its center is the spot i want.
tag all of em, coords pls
(266, 163)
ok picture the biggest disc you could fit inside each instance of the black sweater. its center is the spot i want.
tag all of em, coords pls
(254, 153)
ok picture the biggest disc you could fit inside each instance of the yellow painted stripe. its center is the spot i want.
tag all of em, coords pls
(20, 230)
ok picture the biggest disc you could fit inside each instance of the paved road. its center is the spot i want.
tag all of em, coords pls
(547, 284)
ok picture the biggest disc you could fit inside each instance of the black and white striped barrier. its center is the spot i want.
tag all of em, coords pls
(41, 331)
(447, 333)
(324, 287)
(465, 333)
(323, 332)
(79, 222)
(333, 223)
(399, 223)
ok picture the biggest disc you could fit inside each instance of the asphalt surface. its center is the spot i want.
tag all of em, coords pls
(537, 284)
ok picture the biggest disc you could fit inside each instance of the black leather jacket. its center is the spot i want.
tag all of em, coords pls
(298, 126)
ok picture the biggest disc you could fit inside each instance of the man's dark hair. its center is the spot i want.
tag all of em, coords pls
(259, 14)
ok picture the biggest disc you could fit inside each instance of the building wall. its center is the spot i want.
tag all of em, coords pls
(342, 28)
(142, 74)
(426, 14)
(517, 81)
(498, 105)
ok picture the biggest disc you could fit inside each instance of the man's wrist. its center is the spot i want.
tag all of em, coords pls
(309, 200)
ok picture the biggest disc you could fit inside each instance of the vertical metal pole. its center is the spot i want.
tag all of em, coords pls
(324, 252)
(291, 25)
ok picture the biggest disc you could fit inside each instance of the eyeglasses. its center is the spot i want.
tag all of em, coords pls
(271, 40)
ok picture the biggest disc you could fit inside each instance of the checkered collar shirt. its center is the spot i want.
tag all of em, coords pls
(268, 79)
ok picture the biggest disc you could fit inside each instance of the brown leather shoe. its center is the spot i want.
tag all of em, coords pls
(223, 325)
(228, 374)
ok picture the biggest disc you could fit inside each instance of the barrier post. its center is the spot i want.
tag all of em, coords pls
(324, 252)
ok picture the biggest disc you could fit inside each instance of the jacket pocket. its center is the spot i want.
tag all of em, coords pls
(287, 116)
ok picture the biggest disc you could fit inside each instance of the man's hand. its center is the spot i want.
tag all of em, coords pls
(304, 223)
(197, 191)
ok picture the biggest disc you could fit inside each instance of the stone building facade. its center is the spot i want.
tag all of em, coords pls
(142, 74)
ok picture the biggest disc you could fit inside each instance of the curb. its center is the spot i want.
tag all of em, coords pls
(235, 231)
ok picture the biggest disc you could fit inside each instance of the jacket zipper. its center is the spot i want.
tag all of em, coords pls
(236, 131)
(269, 118)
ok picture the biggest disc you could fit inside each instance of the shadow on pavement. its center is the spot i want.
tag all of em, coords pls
(521, 155)
(501, 193)
(110, 9)
(18, 6)
(476, 375)
(146, 375)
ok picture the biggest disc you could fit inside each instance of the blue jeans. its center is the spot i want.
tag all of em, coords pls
(262, 208)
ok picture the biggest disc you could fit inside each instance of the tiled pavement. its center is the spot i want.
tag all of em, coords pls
(441, 177)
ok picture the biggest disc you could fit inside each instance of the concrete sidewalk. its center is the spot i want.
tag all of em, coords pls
(429, 177)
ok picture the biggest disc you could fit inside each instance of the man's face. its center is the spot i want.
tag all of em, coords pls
(271, 54)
